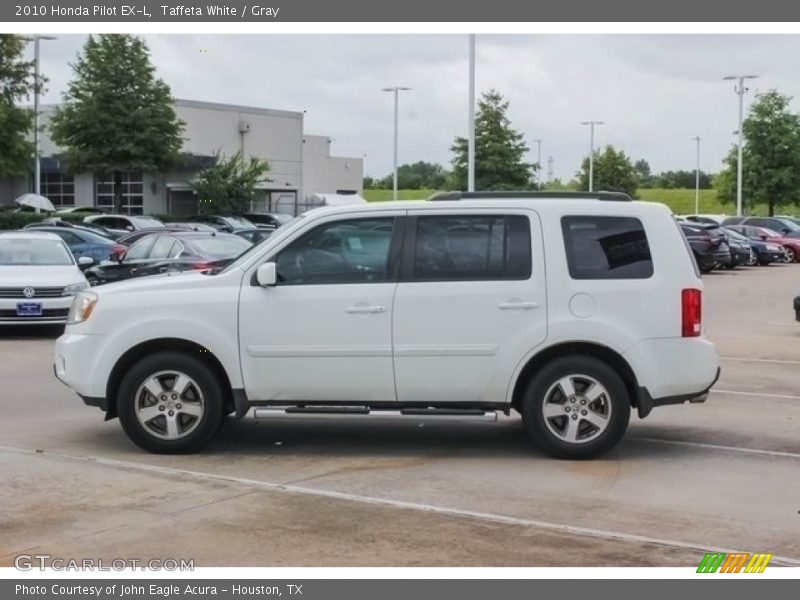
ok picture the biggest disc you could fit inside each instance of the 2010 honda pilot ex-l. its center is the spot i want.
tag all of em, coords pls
(571, 309)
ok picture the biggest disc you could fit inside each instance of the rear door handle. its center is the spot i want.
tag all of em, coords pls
(365, 309)
(517, 305)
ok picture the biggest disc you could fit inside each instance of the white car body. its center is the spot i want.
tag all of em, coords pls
(47, 285)
(409, 343)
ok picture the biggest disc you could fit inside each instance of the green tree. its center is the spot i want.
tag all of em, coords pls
(420, 175)
(680, 180)
(613, 172)
(117, 116)
(499, 151)
(230, 184)
(643, 173)
(771, 165)
(16, 85)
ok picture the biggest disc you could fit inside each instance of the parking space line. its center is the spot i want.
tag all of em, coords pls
(776, 453)
(400, 504)
(761, 360)
(760, 394)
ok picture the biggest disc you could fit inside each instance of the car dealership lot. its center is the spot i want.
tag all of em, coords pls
(690, 477)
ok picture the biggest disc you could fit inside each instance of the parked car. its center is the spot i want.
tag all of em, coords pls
(789, 247)
(81, 210)
(38, 278)
(130, 238)
(83, 242)
(571, 312)
(797, 308)
(710, 248)
(752, 254)
(122, 224)
(59, 222)
(707, 219)
(784, 227)
(267, 219)
(169, 252)
(224, 224)
(255, 236)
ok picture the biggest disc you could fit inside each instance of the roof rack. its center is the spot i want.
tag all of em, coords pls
(607, 196)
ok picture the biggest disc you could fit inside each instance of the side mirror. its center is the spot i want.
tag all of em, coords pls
(129, 228)
(785, 230)
(763, 236)
(267, 274)
(84, 262)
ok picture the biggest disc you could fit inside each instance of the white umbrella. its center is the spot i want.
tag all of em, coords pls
(36, 201)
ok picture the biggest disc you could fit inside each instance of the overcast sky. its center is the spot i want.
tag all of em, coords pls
(654, 92)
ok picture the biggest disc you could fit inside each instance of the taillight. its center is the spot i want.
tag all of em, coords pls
(117, 250)
(202, 265)
(691, 308)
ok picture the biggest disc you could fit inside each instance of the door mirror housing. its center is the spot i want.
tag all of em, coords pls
(267, 274)
(84, 262)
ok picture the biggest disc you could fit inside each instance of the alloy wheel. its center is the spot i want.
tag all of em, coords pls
(169, 405)
(577, 408)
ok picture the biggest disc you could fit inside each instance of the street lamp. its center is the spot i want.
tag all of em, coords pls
(471, 119)
(740, 90)
(591, 125)
(538, 160)
(38, 167)
(697, 178)
(396, 90)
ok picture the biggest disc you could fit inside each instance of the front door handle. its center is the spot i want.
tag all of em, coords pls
(517, 305)
(365, 309)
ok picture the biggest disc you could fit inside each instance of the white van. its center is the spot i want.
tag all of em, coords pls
(568, 308)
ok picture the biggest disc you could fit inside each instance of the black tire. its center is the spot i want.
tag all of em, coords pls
(202, 428)
(536, 396)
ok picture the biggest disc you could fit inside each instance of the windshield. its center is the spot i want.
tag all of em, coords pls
(144, 222)
(240, 222)
(21, 252)
(218, 247)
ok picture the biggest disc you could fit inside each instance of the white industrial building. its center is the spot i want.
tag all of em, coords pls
(300, 165)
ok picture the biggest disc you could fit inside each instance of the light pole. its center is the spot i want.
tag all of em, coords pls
(697, 177)
(396, 90)
(538, 160)
(471, 121)
(740, 90)
(36, 85)
(591, 125)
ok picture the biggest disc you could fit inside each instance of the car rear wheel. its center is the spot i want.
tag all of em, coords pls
(170, 403)
(576, 407)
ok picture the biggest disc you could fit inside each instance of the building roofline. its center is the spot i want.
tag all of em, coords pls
(253, 110)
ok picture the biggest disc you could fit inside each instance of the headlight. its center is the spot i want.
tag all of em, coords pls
(82, 307)
(73, 289)
(774, 248)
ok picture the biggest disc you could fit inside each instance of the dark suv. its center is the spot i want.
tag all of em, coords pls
(710, 247)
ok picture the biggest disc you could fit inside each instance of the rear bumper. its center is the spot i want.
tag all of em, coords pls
(646, 403)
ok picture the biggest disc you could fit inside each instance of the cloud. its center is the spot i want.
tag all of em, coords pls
(655, 92)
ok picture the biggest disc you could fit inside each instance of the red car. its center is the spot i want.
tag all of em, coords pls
(791, 246)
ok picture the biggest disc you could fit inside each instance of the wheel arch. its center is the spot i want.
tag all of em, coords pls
(599, 351)
(142, 349)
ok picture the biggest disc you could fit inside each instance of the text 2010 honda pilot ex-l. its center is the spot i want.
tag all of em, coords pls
(571, 309)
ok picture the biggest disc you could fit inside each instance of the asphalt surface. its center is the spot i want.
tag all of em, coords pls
(689, 478)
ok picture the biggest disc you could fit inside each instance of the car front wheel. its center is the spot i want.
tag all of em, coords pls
(170, 403)
(576, 407)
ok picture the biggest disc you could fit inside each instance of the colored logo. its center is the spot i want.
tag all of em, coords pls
(744, 562)
(29, 292)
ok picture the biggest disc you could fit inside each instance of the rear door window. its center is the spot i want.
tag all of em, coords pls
(472, 247)
(606, 248)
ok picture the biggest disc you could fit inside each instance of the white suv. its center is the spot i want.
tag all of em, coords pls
(569, 308)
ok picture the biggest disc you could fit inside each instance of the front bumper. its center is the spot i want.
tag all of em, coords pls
(54, 311)
(76, 359)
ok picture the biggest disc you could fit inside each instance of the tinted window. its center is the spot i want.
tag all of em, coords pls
(141, 248)
(607, 248)
(353, 251)
(472, 247)
(162, 247)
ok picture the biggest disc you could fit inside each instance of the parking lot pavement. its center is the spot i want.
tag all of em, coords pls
(688, 478)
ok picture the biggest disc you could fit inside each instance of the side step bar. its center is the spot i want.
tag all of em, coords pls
(377, 414)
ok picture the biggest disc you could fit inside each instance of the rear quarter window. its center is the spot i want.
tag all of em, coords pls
(606, 248)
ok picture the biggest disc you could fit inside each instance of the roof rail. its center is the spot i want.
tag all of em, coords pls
(608, 196)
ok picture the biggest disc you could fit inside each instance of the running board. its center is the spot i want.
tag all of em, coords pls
(377, 414)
